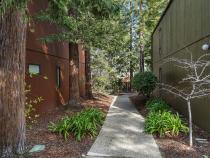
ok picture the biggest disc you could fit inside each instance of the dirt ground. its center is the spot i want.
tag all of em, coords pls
(56, 146)
(177, 147)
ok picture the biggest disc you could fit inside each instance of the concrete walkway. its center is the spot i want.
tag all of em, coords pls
(122, 134)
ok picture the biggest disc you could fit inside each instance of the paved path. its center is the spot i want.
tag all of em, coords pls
(122, 134)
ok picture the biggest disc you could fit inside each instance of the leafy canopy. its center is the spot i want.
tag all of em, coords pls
(84, 21)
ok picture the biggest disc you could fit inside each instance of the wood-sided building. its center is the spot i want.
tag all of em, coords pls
(184, 27)
(50, 60)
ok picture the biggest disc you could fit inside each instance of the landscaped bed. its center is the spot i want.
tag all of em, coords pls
(56, 146)
(178, 146)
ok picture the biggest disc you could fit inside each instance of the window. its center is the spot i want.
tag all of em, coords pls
(34, 69)
(58, 76)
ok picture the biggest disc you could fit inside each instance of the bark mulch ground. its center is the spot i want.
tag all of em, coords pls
(177, 147)
(56, 146)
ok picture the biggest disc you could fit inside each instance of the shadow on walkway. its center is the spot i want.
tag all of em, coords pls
(122, 134)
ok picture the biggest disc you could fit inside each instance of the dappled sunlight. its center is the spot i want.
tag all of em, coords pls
(45, 48)
(62, 75)
(74, 68)
(122, 134)
(60, 96)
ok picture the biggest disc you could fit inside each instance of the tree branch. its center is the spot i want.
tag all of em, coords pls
(173, 90)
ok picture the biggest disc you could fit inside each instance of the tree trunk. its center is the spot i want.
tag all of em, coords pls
(190, 122)
(141, 54)
(74, 75)
(131, 75)
(131, 45)
(12, 82)
(141, 59)
(88, 85)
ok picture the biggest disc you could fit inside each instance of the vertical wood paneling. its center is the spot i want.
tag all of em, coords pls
(185, 24)
(180, 22)
(169, 33)
(205, 17)
(173, 33)
(196, 16)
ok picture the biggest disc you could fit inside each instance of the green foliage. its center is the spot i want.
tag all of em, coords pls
(100, 83)
(81, 124)
(164, 123)
(150, 15)
(156, 105)
(145, 82)
(104, 77)
(5, 5)
(83, 21)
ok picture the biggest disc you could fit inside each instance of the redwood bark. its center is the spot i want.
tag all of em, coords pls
(12, 82)
(74, 75)
(88, 85)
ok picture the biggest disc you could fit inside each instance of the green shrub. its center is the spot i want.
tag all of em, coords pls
(164, 123)
(156, 105)
(144, 82)
(81, 124)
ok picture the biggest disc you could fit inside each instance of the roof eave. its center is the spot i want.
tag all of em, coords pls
(162, 16)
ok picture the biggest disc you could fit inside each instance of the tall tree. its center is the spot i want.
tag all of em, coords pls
(74, 74)
(12, 75)
(141, 34)
(131, 42)
(149, 14)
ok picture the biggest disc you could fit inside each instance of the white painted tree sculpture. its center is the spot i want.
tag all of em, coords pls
(197, 79)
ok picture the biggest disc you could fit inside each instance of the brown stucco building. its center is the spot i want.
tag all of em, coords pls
(51, 61)
(184, 27)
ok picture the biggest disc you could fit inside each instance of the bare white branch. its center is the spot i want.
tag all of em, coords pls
(204, 68)
(173, 90)
(201, 57)
(201, 95)
(199, 85)
(205, 78)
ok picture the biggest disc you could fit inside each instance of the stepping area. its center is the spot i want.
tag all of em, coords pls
(122, 135)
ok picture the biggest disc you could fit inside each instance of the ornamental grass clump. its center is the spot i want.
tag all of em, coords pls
(164, 124)
(156, 105)
(83, 123)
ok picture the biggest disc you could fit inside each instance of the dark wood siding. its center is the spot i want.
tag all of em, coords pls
(185, 27)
